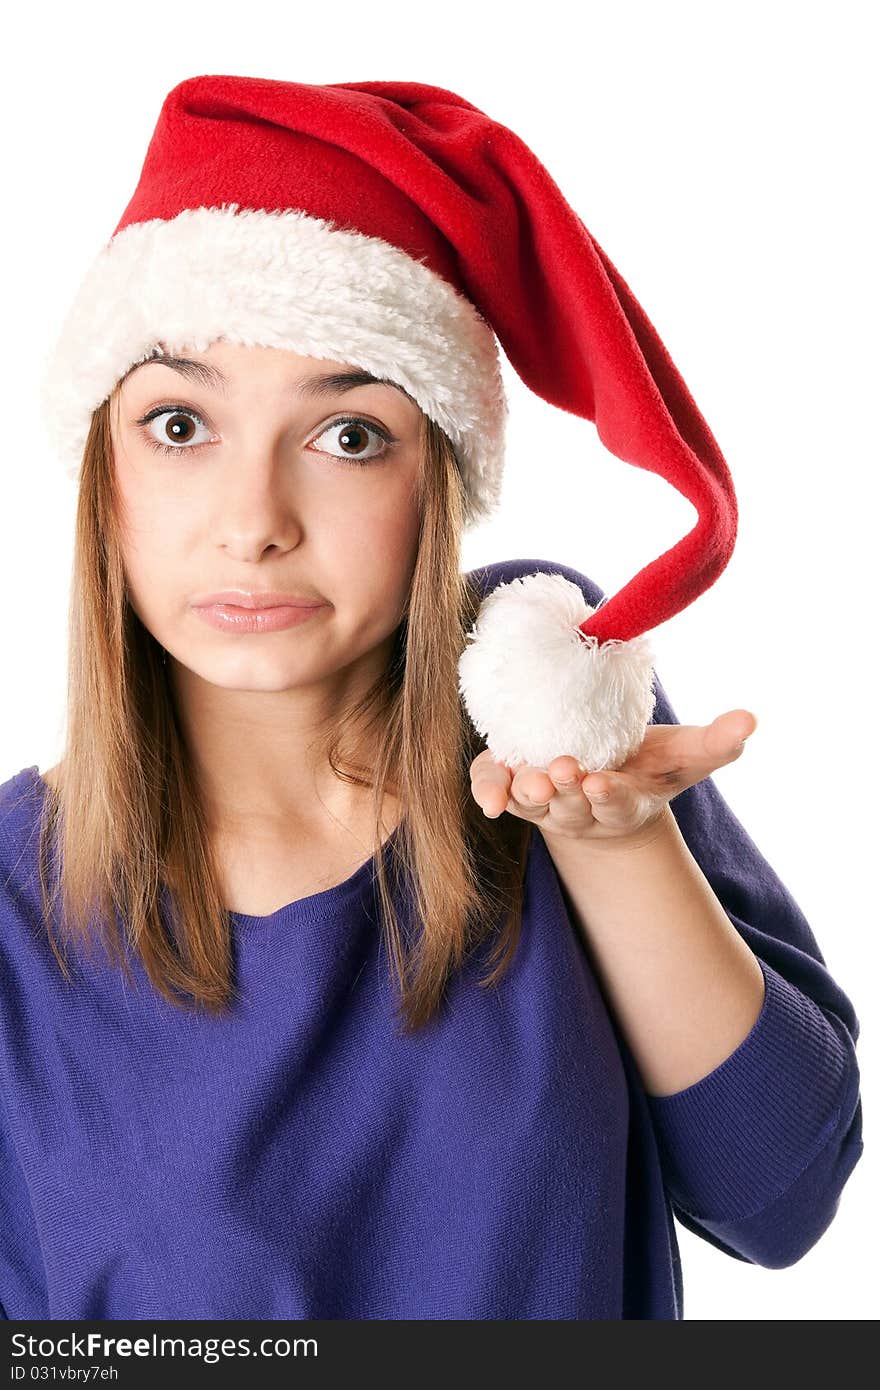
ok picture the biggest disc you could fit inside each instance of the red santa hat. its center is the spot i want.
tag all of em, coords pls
(396, 227)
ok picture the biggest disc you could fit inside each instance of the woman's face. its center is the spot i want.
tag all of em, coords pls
(265, 485)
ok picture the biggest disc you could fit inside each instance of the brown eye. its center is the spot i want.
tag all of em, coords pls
(179, 428)
(352, 436)
(172, 430)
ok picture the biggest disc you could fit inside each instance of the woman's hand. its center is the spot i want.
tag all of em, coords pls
(569, 803)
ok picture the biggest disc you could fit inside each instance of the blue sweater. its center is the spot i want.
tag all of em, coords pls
(297, 1159)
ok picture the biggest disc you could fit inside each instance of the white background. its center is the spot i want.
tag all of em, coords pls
(725, 159)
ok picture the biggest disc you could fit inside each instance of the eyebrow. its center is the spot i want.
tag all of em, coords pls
(330, 383)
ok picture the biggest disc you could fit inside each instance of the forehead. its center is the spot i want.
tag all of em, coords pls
(304, 384)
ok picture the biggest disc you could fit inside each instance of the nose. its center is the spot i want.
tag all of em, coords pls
(257, 504)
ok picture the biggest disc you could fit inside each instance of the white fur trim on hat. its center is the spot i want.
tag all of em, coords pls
(537, 688)
(289, 280)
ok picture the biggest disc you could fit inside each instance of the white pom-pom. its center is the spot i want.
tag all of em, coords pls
(537, 688)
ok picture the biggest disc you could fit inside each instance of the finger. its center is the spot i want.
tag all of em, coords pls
(601, 786)
(676, 756)
(618, 799)
(725, 738)
(490, 783)
(566, 774)
(532, 788)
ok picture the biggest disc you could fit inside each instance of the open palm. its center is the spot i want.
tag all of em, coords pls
(565, 801)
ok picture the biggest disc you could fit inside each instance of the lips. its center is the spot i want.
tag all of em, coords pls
(233, 618)
(242, 598)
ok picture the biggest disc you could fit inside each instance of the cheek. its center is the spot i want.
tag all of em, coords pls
(371, 548)
(376, 531)
(153, 539)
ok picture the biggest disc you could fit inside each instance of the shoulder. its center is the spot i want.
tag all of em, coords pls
(21, 799)
(489, 577)
(18, 791)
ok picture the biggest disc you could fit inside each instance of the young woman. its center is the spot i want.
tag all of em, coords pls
(329, 993)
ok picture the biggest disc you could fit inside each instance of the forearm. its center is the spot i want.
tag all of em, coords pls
(684, 986)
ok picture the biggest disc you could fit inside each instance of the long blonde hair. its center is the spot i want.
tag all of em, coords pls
(126, 820)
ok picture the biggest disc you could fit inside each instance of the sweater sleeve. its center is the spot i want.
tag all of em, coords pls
(755, 1155)
(21, 1261)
